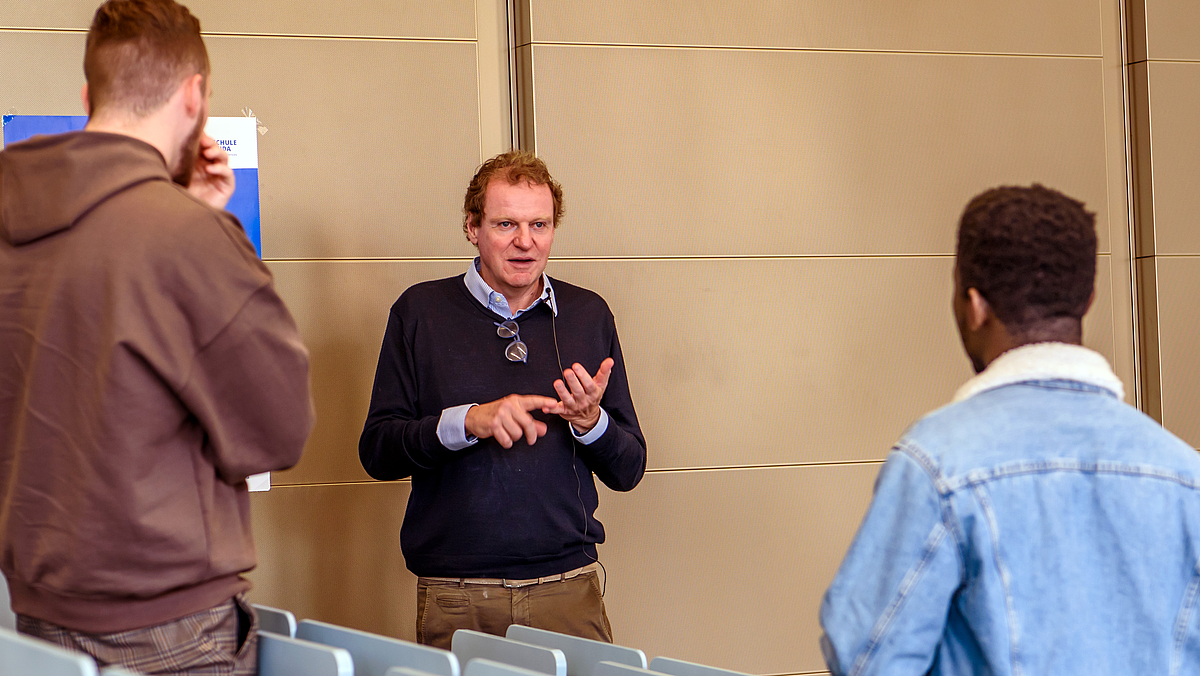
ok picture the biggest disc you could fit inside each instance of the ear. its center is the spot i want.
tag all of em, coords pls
(83, 95)
(473, 229)
(978, 309)
(193, 94)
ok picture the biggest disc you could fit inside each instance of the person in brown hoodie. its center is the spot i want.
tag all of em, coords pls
(147, 366)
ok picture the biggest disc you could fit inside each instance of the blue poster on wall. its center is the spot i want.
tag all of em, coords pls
(237, 135)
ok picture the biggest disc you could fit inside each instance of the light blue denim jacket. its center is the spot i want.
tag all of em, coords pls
(1036, 526)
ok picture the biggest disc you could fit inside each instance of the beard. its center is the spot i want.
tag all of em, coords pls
(189, 150)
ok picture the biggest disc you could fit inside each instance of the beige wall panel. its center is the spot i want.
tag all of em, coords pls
(724, 354)
(1174, 95)
(47, 85)
(1018, 27)
(822, 345)
(392, 18)
(674, 151)
(370, 143)
(48, 14)
(332, 553)
(728, 567)
(1178, 328)
(341, 309)
(1171, 29)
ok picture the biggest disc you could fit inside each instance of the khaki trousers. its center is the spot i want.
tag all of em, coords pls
(568, 606)
(221, 641)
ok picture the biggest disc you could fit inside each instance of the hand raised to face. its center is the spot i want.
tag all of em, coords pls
(212, 179)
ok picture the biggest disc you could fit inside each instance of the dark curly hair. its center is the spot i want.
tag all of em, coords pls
(1030, 252)
(514, 166)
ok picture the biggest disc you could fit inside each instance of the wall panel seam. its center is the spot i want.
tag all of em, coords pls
(345, 38)
(34, 29)
(1131, 232)
(298, 36)
(825, 50)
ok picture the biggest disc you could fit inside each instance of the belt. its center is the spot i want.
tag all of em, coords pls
(512, 584)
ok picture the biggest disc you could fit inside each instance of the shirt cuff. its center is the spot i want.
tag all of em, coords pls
(452, 428)
(592, 435)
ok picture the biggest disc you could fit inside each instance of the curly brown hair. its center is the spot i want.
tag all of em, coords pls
(138, 52)
(1030, 252)
(514, 166)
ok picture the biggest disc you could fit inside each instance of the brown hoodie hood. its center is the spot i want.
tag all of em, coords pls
(48, 182)
(147, 367)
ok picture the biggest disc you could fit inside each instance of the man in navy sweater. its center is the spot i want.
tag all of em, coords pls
(501, 393)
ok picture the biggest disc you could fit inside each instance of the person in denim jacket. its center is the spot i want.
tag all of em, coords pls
(1037, 524)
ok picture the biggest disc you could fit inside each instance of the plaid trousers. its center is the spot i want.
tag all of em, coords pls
(203, 644)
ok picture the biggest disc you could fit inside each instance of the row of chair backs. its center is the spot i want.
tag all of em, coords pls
(374, 654)
(323, 649)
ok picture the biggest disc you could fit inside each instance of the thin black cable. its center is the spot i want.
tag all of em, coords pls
(578, 481)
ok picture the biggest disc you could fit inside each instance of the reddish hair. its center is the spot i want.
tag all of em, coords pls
(514, 167)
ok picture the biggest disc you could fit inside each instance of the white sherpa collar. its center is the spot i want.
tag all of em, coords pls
(1044, 361)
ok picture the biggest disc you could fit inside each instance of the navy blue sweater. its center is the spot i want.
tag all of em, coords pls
(487, 511)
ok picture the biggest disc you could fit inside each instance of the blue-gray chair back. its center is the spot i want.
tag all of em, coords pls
(485, 667)
(280, 655)
(8, 619)
(406, 671)
(22, 655)
(374, 654)
(617, 669)
(666, 665)
(276, 620)
(582, 654)
(469, 645)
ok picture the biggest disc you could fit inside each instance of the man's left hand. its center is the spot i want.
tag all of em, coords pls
(580, 394)
(212, 179)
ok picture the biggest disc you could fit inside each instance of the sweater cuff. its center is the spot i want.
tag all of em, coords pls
(593, 434)
(452, 428)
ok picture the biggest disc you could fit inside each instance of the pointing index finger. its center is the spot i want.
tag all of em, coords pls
(533, 402)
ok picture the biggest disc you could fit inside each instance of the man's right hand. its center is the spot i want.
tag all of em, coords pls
(508, 419)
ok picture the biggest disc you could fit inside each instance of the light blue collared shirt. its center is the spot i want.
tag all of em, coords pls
(496, 302)
(452, 425)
